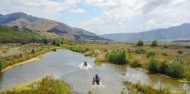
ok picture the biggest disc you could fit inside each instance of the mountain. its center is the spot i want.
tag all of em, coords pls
(14, 34)
(164, 34)
(64, 31)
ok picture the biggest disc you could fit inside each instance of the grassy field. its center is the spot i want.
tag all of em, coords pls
(47, 85)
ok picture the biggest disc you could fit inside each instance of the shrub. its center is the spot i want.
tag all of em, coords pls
(140, 51)
(151, 54)
(140, 43)
(175, 68)
(164, 54)
(153, 66)
(135, 64)
(180, 52)
(162, 67)
(154, 43)
(33, 52)
(1, 65)
(117, 56)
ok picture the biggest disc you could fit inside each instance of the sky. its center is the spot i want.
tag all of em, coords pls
(106, 16)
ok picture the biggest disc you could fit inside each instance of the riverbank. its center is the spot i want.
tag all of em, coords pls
(47, 85)
(20, 63)
(12, 55)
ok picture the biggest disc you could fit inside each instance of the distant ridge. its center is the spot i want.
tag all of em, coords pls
(162, 34)
(64, 31)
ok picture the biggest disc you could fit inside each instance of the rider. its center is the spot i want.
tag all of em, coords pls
(96, 79)
(85, 64)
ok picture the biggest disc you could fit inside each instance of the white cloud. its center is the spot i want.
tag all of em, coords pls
(41, 8)
(77, 11)
(116, 15)
(137, 15)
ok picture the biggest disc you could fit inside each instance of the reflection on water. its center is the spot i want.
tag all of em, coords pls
(64, 64)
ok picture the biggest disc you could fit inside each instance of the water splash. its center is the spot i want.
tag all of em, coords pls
(81, 66)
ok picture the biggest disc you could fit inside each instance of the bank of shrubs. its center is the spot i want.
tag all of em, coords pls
(47, 85)
(117, 56)
(173, 68)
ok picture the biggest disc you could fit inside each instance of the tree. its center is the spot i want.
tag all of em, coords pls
(154, 43)
(140, 43)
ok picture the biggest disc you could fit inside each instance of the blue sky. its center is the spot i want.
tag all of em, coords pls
(106, 16)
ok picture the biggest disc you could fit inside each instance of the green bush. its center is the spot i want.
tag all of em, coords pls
(153, 66)
(180, 52)
(154, 43)
(175, 68)
(135, 64)
(140, 43)
(117, 56)
(164, 54)
(140, 51)
(162, 67)
(33, 52)
(151, 54)
(1, 65)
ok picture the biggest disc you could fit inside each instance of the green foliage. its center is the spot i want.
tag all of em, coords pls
(9, 35)
(164, 54)
(174, 68)
(33, 51)
(1, 65)
(151, 54)
(154, 43)
(153, 65)
(117, 56)
(140, 43)
(45, 41)
(144, 89)
(48, 85)
(135, 64)
(180, 51)
(56, 42)
(140, 51)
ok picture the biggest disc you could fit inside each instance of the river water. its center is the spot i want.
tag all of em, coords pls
(64, 64)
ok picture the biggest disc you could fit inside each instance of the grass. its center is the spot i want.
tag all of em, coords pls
(144, 89)
(47, 85)
(15, 54)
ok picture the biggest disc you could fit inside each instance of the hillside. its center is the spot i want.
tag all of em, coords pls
(10, 34)
(164, 34)
(64, 31)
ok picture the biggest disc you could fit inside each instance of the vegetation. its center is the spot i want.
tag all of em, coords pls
(154, 43)
(144, 89)
(138, 57)
(10, 35)
(135, 64)
(151, 54)
(11, 54)
(140, 43)
(153, 66)
(174, 68)
(117, 56)
(47, 85)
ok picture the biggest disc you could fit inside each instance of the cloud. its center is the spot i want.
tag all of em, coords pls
(138, 15)
(112, 15)
(77, 11)
(153, 4)
(41, 8)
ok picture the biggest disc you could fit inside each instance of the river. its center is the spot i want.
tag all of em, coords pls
(63, 64)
